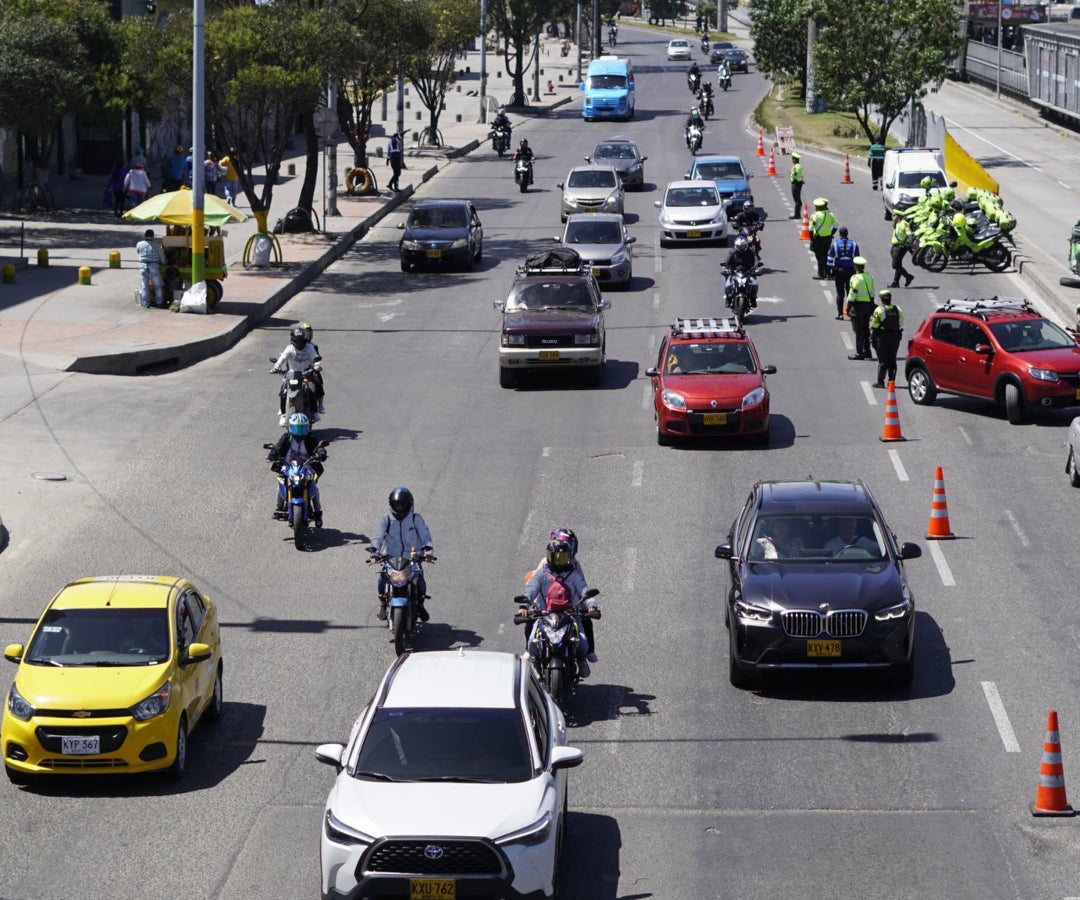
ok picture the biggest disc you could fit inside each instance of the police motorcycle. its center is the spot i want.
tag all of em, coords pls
(964, 240)
(399, 586)
(298, 386)
(295, 480)
(693, 138)
(740, 290)
(705, 45)
(554, 647)
(723, 78)
(705, 100)
(693, 80)
(500, 139)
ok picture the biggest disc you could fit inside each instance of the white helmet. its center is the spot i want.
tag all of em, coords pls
(741, 243)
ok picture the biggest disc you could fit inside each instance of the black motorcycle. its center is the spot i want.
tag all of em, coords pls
(523, 173)
(555, 648)
(400, 591)
(693, 81)
(500, 139)
(739, 293)
(705, 103)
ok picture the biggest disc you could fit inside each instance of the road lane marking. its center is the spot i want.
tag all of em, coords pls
(1024, 542)
(639, 473)
(658, 260)
(1001, 718)
(942, 566)
(630, 566)
(964, 434)
(546, 452)
(868, 392)
(645, 396)
(901, 472)
(656, 300)
(848, 340)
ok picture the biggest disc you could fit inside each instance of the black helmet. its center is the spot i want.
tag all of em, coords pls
(401, 502)
(298, 337)
(565, 534)
(559, 556)
(524, 143)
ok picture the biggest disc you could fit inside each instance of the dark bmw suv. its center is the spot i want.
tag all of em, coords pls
(817, 581)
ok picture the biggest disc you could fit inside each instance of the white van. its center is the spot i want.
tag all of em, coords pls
(904, 169)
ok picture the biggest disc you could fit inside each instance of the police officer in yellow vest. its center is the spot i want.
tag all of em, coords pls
(822, 226)
(901, 237)
(860, 306)
(886, 329)
(797, 179)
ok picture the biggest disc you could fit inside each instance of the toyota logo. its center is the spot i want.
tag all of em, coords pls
(433, 851)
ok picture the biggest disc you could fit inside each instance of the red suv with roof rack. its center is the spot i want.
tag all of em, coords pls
(709, 382)
(999, 349)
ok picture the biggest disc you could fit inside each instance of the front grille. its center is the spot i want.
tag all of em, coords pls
(457, 857)
(1070, 378)
(111, 737)
(549, 341)
(805, 623)
(697, 223)
(592, 204)
(74, 762)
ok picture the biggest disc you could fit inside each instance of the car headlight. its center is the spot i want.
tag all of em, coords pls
(719, 218)
(1043, 374)
(18, 706)
(665, 219)
(620, 257)
(570, 201)
(588, 338)
(612, 201)
(672, 400)
(536, 833)
(893, 612)
(636, 167)
(746, 610)
(460, 244)
(411, 245)
(756, 396)
(340, 833)
(513, 340)
(155, 705)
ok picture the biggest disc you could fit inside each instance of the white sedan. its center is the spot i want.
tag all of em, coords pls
(691, 212)
(679, 48)
(452, 784)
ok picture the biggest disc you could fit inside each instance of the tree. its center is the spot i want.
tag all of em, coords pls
(778, 28)
(875, 57)
(519, 22)
(38, 84)
(446, 25)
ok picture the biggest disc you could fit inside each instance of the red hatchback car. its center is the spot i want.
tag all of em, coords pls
(999, 350)
(709, 382)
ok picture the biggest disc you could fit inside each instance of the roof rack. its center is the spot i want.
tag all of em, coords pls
(525, 269)
(706, 327)
(989, 304)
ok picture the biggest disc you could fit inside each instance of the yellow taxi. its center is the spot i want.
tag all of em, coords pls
(118, 671)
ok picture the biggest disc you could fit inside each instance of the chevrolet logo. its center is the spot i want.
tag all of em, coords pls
(81, 714)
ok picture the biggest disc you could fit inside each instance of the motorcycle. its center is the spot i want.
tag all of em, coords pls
(299, 389)
(724, 80)
(564, 49)
(523, 173)
(693, 138)
(294, 486)
(693, 81)
(399, 584)
(752, 233)
(958, 246)
(500, 139)
(705, 45)
(739, 292)
(612, 37)
(556, 641)
(705, 102)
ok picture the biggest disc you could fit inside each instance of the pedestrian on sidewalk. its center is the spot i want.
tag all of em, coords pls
(822, 227)
(212, 172)
(151, 259)
(841, 262)
(115, 185)
(137, 185)
(138, 156)
(231, 177)
(860, 306)
(174, 170)
(886, 329)
(395, 159)
(901, 243)
(797, 178)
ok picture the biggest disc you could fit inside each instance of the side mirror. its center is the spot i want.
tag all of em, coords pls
(652, 372)
(330, 754)
(401, 226)
(521, 600)
(909, 550)
(588, 159)
(723, 551)
(768, 370)
(196, 653)
(984, 349)
(605, 304)
(556, 238)
(13, 653)
(566, 758)
(592, 592)
(631, 239)
(370, 551)
(657, 204)
(498, 304)
(686, 176)
(560, 185)
(268, 446)
(644, 158)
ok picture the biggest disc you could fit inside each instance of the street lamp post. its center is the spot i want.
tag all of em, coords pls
(400, 98)
(997, 91)
(483, 62)
(198, 153)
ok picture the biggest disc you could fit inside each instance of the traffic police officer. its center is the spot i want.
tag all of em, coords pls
(822, 226)
(860, 306)
(900, 237)
(886, 329)
(797, 179)
(840, 261)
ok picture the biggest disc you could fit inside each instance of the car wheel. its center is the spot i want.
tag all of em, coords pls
(762, 438)
(1070, 467)
(901, 676)
(216, 709)
(596, 377)
(480, 250)
(470, 263)
(1014, 404)
(404, 266)
(16, 777)
(888, 215)
(935, 259)
(664, 440)
(506, 378)
(179, 765)
(921, 386)
(737, 675)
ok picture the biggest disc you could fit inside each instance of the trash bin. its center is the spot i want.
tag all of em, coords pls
(261, 250)
(1074, 249)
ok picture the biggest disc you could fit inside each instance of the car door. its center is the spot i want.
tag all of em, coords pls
(741, 531)
(190, 679)
(943, 352)
(476, 230)
(975, 372)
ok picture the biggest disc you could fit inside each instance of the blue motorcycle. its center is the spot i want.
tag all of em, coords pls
(295, 480)
(401, 585)
(554, 649)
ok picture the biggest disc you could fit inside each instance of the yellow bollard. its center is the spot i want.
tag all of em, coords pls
(84, 274)
(43, 258)
(9, 274)
(114, 259)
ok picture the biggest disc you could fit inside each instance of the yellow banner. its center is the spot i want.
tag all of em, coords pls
(961, 167)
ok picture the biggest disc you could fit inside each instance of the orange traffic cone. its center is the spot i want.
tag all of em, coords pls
(1050, 797)
(847, 172)
(891, 431)
(760, 143)
(938, 529)
(770, 170)
(804, 235)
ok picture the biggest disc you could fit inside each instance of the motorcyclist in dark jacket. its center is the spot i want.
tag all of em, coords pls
(750, 219)
(741, 257)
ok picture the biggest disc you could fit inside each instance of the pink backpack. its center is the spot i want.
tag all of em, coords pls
(558, 598)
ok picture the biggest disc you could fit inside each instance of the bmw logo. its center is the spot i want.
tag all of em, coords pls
(433, 851)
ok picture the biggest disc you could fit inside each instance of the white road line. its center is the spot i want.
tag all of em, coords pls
(639, 473)
(1001, 718)
(646, 396)
(848, 340)
(658, 258)
(964, 434)
(546, 452)
(656, 300)
(386, 317)
(630, 566)
(901, 472)
(650, 342)
(868, 392)
(942, 566)
(828, 296)
(1024, 542)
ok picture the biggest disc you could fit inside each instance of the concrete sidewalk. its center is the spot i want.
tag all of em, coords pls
(49, 320)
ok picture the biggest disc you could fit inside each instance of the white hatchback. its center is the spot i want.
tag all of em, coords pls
(452, 783)
(679, 48)
(691, 212)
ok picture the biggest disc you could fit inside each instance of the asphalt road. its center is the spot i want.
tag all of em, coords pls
(810, 787)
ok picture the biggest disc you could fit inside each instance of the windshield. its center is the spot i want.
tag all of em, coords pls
(592, 178)
(487, 745)
(607, 82)
(709, 359)
(550, 295)
(728, 171)
(439, 217)
(100, 637)
(845, 538)
(593, 233)
(696, 196)
(913, 179)
(1036, 334)
(615, 151)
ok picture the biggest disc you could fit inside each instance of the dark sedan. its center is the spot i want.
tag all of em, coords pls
(737, 59)
(442, 233)
(817, 581)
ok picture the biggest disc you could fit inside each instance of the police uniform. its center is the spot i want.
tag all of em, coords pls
(900, 236)
(823, 225)
(860, 304)
(886, 328)
(797, 179)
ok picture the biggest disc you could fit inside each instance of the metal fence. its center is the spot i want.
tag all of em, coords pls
(981, 65)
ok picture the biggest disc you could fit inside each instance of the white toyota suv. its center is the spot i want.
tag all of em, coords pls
(452, 784)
